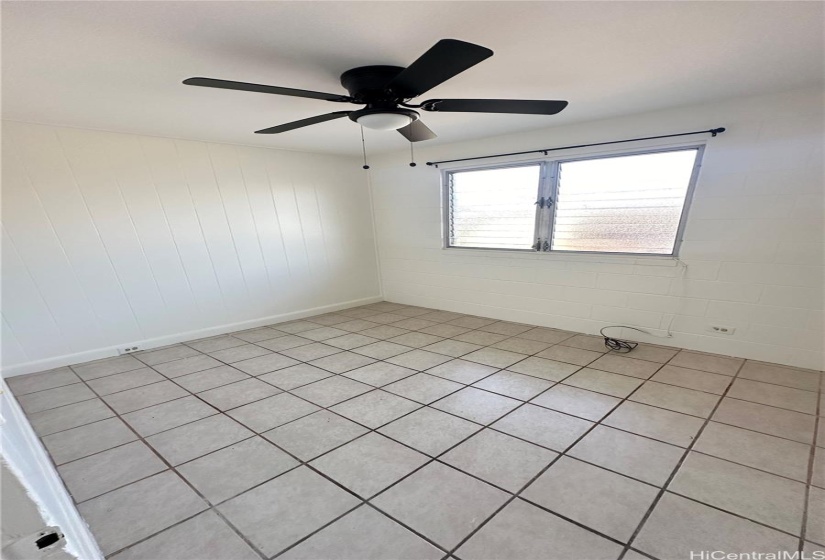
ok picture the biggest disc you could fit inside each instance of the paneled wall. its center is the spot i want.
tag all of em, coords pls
(753, 244)
(111, 239)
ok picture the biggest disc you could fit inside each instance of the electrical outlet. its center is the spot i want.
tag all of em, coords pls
(721, 329)
(127, 349)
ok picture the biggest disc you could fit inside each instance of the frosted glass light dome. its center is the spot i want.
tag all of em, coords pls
(384, 121)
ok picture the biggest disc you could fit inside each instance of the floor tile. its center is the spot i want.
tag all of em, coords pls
(411, 311)
(686, 401)
(774, 395)
(53, 398)
(651, 353)
(789, 377)
(707, 362)
(578, 402)
(375, 408)
(778, 503)
(271, 412)
(441, 316)
(462, 371)
(441, 503)
(625, 366)
(815, 526)
(228, 472)
(423, 388)
(136, 511)
(332, 390)
(664, 425)
(472, 322)
(356, 325)
(515, 385)
(257, 335)
(210, 379)
(215, 343)
(504, 327)
(499, 459)
(386, 318)
(415, 339)
(692, 379)
(185, 366)
(570, 355)
(311, 351)
(664, 534)
(543, 427)
(369, 464)
(284, 342)
(329, 319)
(238, 353)
(154, 357)
(415, 324)
(585, 342)
(193, 440)
(238, 394)
(480, 337)
(295, 376)
(818, 475)
(364, 534)
(521, 345)
(204, 536)
(342, 362)
(760, 451)
(381, 350)
(265, 364)
(108, 366)
(323, 333)
(418, 360)
(544, 369)
(350, 341)
(282, 511)
(477, 405)
(494, 357)
(453, 348)
(33, 382)
(294, 327)
(165, 416)
(69, 416)
(83, 441)
(611, 384)
(383, 332)
(379, 374)
(312, 435)
(638, 457)
(430, 431)
(123, 381)
(442, 329)
(105, 471)
(608, 502)
(523, 531)
(766, 419)
(550, 336)
(142, 397)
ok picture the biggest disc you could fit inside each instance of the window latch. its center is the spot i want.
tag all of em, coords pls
(540, 202)
(545, 246)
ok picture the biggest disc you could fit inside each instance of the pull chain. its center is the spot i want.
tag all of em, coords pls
(364, 149)
(412, 155)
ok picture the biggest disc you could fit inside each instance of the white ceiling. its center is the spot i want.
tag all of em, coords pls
(118, 65)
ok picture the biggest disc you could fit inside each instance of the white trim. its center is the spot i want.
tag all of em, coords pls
(28, 461)
(98, 353)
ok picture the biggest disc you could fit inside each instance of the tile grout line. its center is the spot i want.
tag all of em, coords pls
(811, 459)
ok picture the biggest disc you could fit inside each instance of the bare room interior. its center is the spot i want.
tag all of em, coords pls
(448, 280)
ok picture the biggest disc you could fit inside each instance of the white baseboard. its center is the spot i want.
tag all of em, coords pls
(108, 352)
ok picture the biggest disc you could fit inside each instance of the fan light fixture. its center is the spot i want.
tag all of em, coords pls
(384, 121)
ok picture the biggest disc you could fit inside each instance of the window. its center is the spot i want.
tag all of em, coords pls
(628, 203)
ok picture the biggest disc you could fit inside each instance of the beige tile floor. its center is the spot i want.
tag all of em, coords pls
(391, 432)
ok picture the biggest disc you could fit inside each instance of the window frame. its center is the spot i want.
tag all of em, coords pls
(548, 185)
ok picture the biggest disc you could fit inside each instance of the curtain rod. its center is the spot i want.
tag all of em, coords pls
(713, 132)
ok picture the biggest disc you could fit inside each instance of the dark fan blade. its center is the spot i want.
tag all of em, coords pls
(518, 106)
(417, 131)
(303, 122)
(445, 59)
(243, 86)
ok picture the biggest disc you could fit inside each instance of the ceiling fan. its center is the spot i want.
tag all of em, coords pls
(387, 90)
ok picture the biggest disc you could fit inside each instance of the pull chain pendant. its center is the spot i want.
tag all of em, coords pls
(412, 155)
(364, 149)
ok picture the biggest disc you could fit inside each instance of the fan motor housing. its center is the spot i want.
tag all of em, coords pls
(366, 84)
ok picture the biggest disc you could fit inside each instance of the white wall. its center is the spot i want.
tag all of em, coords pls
(111, 239)
(753, 243)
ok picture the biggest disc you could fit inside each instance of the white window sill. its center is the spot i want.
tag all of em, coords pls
(616, 258)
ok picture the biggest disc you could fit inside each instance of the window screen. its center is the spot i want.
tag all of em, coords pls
(629, 204)
(493, 208)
